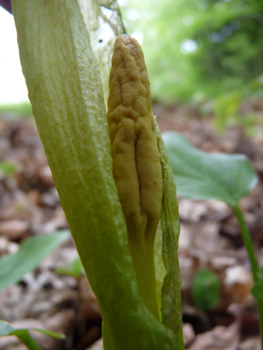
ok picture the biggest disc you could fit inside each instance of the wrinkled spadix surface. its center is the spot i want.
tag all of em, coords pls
(65, 90)
(136, 160)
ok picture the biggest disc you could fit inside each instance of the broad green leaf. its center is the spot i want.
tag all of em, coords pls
(6, 329)
(66, 94)
(170, 223)
(202, 175)
(205, 289)
(31, 252)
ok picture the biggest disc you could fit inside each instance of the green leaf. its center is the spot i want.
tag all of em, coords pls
(170, 223)
(202, 175)
(65, 90)
(260, 273)
(8, 168)
(31, 251)
(74, 269)
(49, 333)
(6, 329)
(205, 289)
(257, 290)
(25, 338)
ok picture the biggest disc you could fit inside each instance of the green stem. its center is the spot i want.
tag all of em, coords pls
(252, 259)
(143, 261)
(247, 241)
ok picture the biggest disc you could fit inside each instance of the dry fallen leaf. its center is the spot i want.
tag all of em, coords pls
(98, 345)
(13, 229)
(220, 338)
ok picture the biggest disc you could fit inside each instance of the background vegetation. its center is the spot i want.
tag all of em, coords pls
(199, 49)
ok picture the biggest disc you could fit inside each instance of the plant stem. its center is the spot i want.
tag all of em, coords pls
(247, 241)
(141, 251)
(252, 259)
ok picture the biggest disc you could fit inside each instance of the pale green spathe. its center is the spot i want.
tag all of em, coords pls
(65, 90)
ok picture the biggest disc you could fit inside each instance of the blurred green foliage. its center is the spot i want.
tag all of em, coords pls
(199, 47)
(16, 110)
(23, 334)
(205, 289)
(74, 269)
(30, 253)
(226, 108)
(8, 168)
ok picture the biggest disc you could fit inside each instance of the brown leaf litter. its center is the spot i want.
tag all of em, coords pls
(210, 238)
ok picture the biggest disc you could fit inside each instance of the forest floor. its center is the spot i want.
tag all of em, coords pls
(210, 238)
